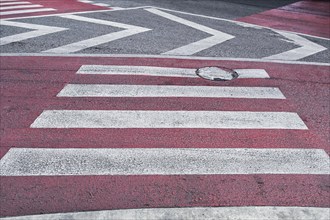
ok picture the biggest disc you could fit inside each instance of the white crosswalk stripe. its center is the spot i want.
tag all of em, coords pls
(13, 3)
(101, 90)
(160, 71)
(162, 161)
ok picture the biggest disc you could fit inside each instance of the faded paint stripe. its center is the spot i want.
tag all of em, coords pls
(195, 213)
(102, 90)
(168, 119)
(162, 161)
(160, 71)
(252, 73)
(26, 11)
(14, 3)
(19, 7)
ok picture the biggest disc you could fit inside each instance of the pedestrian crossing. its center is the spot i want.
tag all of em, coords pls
(15, 7)
(170, 162)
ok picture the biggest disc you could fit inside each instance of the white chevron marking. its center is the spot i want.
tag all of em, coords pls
(77, 46)
(307, 48)
(190, 49)
(39, 30)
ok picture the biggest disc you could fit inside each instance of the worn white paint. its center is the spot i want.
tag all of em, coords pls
(105, 90)
(307, 48)
(13, 3)
(26, 11)
(160, 71)
(168, 119)
(19, 7)
(84, 44)
(195, 47)
(101, 4)
(162, 161)
(194, 213)
(252, 73)
(38, 30)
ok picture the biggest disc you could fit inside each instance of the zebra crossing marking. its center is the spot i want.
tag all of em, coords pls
(102, 90)
(168, 119)
(160, 71)
(162, 161)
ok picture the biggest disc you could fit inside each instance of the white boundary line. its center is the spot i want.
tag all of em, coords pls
(181, 12)
(163, 57)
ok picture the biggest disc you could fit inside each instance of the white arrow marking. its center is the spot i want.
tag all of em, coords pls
(77, 46)
(190, 49)
(307, 48)
(39, 30)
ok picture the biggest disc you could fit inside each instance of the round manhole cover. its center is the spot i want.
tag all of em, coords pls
(216, 73)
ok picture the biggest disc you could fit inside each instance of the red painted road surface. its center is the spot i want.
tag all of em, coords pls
(307, 17)
(61, 6)
(29, 85)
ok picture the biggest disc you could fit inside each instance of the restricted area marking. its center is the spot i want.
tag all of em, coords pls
(162, 161)
(168, 119)
(103, 90)
(217, 37)
(160, 71)
(38, 30)
(80, 45)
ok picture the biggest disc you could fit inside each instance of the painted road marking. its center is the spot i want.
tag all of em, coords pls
(81, 45)
(190, 49)
(168, 119)
(194, 213)
(19, 7)
(39, 30)
(14, 3)
(162, 161)
(102, 90)
(307, 48)
(26, 11)
(161, 71)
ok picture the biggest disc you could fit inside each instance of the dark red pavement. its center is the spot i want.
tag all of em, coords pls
(307, 17)
(37, 195)
(29, 85)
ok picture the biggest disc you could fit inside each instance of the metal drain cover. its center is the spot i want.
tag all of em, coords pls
(216, 73)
